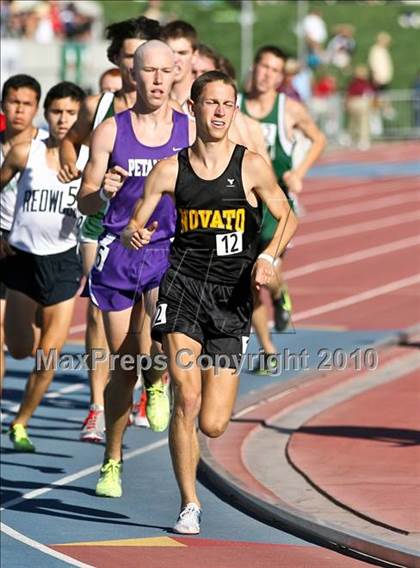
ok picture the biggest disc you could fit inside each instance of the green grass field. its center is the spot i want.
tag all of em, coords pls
(218, 25)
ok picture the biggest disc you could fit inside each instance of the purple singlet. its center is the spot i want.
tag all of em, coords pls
(120, 276)
(138, 160)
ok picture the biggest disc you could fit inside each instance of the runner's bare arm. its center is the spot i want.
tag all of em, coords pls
(14, 162)
(258, 175)
(302, 120)
(90, 198)
(162, 179)
(77, 135)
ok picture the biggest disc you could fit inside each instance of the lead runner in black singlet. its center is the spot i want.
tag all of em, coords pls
(205, 302)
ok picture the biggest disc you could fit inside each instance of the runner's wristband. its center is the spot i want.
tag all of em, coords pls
(103, 196)
(266, 257)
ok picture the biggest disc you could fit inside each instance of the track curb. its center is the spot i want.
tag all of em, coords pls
(279, 513)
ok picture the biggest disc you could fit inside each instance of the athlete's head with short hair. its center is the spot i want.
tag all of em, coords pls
(20, 99)
(61, 108)
(154, 72)
(206, 59)
(267, 72)
(110, 80)
(126, 37)
(213, 103)
(182, 39)
(227, 67)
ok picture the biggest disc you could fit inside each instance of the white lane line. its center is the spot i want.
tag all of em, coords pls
(324, 185)
(77, 328)
(349, 191)
(65, 390)
(79, 475)
(41, 547)
(362, 207)
(337, 261)
(356, 298)
(356, 228)
(54, 394)
(352, 257)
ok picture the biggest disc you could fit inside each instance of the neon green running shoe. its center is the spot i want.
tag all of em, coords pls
(20, 439)
(267, 364)
(158, 406)
(109, 483)
(282, 310)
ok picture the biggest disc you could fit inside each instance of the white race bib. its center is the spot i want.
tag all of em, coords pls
(229, 243)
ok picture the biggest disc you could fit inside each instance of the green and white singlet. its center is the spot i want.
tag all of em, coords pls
(279, 148)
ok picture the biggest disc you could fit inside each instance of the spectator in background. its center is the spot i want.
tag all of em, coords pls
(324, 104)
(416, 100)
(315, 32)
(291, 68)
(380, 62)
(360, 93)
(154, 12)
(341, 46)
(110, 81)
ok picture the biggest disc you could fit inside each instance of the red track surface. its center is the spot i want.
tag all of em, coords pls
(369, 464)
(220, 554)
(379, 219)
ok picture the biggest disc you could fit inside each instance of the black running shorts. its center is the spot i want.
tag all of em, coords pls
(217, 316)
(47, 279)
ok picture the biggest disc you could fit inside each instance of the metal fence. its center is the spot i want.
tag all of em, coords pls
(393, 114)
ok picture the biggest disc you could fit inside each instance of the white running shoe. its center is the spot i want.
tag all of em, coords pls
(189, 520)
(93, 428)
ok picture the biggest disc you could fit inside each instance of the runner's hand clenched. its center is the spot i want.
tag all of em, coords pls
(133, 238)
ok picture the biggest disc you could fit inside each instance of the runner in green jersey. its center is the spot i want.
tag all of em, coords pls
(279, 117)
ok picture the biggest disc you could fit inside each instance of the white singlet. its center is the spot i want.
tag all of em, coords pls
(46, 218)
(8, 195)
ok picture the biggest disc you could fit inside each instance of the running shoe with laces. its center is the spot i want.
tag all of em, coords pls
(267, 364)
(282, 310)
(158, 406)
(139, 412)
(20, 439)
(109, 483)
(189, 520)
(94, 425)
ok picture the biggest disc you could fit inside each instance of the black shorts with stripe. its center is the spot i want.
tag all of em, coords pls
(217, 316)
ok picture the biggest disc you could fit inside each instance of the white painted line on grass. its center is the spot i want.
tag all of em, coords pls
(352, 257)
(356, 298)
